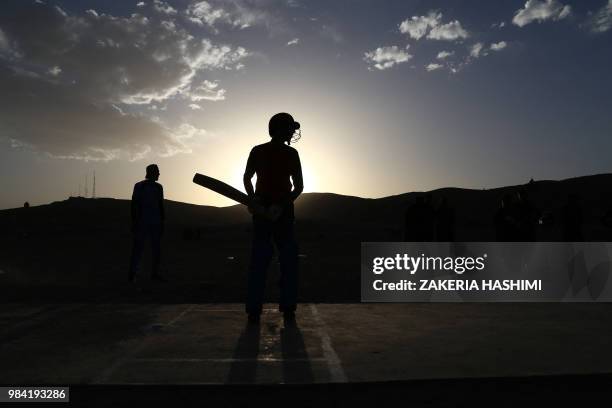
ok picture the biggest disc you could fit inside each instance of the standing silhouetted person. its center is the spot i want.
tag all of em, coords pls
(276, 165)
(506, 220)
(147, 221)
(419, 221)
(445, 222)
(528, 216)
(572, 219)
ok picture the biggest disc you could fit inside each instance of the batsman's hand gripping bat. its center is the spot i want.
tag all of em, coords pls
(272, 213)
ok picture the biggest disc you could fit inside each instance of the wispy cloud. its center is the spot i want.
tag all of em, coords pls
(295, 41)
(601, 20)
(207, 90)
(540, 10)
(163, 7)
(386, 57)
(239, 14)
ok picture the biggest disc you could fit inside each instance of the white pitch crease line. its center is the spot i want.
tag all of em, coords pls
(333, 361)
(227, 360)
(108, 372)
(183, 313)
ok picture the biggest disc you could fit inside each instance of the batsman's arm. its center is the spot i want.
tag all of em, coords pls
(249, 172)
(298, 181)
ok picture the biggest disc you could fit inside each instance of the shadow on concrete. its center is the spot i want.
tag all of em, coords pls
(244, 367)
(296, 363)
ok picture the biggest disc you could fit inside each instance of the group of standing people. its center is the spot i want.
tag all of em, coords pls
(516, 219)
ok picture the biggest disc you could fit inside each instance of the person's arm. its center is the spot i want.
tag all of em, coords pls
(296, 177)
(162, 211)
(249, 172)
(135, 207)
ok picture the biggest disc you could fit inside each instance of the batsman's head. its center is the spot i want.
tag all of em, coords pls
(283, 127)
(152, 172)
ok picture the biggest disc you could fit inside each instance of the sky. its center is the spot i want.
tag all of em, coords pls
(392, 96)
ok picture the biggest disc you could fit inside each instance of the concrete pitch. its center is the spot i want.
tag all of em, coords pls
(211, 343)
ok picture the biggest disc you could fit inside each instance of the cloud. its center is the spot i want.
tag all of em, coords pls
(295, 41)
(433, 67)
(207, 90)
(385, 57)
(141, 4)
(55, 71)
(202, 13)
(601, 21)
(4, 42)
(239, 14)
(476, 49)
(78, 82)
(431, 26)
(417, 26)
(194, 106)
(449, 32)
(498, 46)
(444, 54)
(163, 7)
(501, 24)
(540, 10)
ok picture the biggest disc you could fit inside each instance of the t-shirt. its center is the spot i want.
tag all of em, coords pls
(274, 164)
(148, 197)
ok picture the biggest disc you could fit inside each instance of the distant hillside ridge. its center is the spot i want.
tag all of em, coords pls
(473, 207)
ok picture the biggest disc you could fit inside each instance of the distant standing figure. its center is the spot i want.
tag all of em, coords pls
(445, 222)
(506, 222)
(419, 221)
(528, 217)
(276, 165)
(147, 221)
(572, 219)
(26, 205)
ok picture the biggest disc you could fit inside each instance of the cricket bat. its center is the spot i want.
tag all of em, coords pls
(272, 213)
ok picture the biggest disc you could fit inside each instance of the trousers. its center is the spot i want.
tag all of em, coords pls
(142, 233)
(266, 235)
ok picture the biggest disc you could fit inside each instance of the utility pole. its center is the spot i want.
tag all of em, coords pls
(93, 195)
(86, 181)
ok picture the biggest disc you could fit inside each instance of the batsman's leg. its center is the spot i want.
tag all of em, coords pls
(261, 256)
(286, 243)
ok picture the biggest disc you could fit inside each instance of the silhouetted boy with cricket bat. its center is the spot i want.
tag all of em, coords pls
(276, 165)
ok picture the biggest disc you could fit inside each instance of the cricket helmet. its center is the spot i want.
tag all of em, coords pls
(283, 123)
